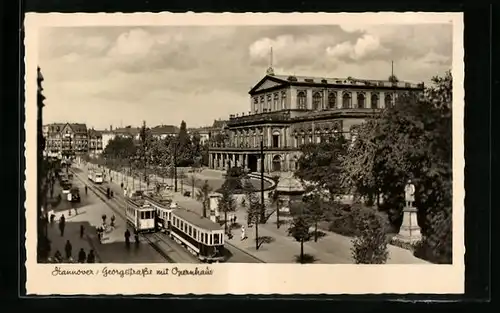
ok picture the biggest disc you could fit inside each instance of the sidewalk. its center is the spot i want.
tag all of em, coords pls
(281, 248)
(71, 233)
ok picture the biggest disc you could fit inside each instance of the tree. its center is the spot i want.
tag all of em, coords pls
(410, 140)
(315, 208)
(183, 150)
(233, 181)
(193, 183)
(226, 204)
(370, 242)
(203, 196)
(299, 227)
(121, 148)
(321, 164)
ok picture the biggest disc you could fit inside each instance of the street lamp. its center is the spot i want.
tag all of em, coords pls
(262, 205)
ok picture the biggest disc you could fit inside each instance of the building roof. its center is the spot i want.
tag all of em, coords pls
(127, 130)
(349, 81)
(219, 124)
(94, 133)
(164, 129)
(196, 219)
(78, 127)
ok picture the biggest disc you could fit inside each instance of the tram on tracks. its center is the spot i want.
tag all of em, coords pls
(140, 215)
(96, 176)
(163, 208)
(199, 235)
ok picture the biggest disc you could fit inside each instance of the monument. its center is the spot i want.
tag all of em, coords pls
(409, 231)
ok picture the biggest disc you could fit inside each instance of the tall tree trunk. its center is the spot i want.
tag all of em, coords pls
(302, 251)
(316, 231)
(225, 221)
(277, 215)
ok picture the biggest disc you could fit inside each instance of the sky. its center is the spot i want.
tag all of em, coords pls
(122, 76)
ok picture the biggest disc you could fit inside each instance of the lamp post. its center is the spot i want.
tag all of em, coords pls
(175, 166)
(262, 206)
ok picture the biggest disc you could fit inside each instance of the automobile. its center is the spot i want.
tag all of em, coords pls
(66, 187)
(74, 195)
(187, 194)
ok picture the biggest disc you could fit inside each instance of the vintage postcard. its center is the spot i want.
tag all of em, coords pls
(244, 153)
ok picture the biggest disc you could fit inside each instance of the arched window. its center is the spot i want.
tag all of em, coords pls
(374, 101)
(388, 101)
(332, 100)
(317, 101)
(361, 101)
(276, 98)
(269, 103)
(283, 100)
(346, 100)
(301, 100)
(261, 108)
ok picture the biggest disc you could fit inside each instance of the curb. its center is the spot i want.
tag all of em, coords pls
(245, 252)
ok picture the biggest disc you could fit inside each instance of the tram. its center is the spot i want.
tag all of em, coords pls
(163, 208)
(199, 235)
(140, 215)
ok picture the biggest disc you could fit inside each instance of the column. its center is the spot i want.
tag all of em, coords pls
(210, 155)
(269, 138)
(233, 161)
(246, 161)
(240, 161)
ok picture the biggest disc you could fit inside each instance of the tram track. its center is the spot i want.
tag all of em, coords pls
(159, 243)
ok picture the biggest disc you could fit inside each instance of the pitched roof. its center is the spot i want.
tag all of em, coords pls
(164, 129)
(315, 80)
(78, 127)
(94, 133)
(127, 130)
(219, 124)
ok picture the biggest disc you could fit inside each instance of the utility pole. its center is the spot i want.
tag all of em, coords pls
(175, 167)
(257, 219)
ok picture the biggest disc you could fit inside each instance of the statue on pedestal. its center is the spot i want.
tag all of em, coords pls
(409, 194)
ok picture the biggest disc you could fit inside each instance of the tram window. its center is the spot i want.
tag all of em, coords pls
(142, 215)
(194, 233)
(206, 239)
(189, 230)
(216, 239)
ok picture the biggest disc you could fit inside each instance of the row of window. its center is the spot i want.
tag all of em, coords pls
(208, 239)
(275, 103)
(143, 215)
(270, 102)
(331, 103)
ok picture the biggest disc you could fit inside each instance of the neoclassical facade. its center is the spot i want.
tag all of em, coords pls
(288, 111)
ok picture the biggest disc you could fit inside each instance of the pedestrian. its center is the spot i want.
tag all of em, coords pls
(62, 224)
(91, 257)
(85, 189)
(113, 220)
(107, 192)
(234, 219)
(136, 235)
(127, 238)
(58, 257)
(68, 249)
(243, 235)
(121, 185)
(82, 256)
(82, 231)
(52, 218)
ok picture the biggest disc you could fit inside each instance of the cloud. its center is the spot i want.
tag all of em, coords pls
(365, 47)
(200, 73)
(135, 42)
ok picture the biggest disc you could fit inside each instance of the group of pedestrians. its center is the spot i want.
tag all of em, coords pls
(68, 249)
(127, 238)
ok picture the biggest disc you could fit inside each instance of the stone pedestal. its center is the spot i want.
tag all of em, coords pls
(409, 231)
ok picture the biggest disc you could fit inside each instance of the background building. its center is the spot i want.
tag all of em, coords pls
(66, 139)
(164, 131)
(287, 111)
(95, 142)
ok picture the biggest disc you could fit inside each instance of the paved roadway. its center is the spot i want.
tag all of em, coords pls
(113, 249)
(235, 255)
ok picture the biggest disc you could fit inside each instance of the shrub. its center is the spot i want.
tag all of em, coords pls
(436, 245)
(343, 225)
(370, 243)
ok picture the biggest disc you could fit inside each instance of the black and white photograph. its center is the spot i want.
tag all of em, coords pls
(246, 143)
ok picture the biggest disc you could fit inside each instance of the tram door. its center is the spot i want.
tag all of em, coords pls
(137, 220)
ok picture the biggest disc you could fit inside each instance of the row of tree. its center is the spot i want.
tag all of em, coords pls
(411, 140)
(148, 151)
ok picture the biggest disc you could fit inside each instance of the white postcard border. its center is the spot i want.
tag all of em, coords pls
(248, 278)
